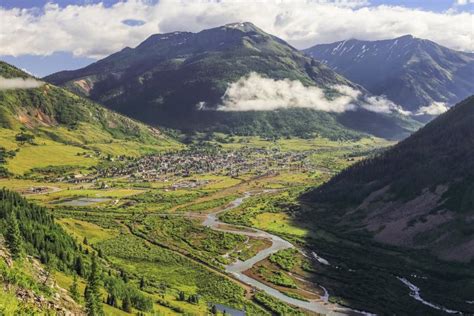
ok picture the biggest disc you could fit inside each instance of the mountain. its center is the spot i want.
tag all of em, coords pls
(418, 194)
(410, 71)
(178, 80)
(38, 118)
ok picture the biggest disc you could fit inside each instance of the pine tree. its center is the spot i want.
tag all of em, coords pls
(74, 289)
(111, 300)
(79, 266)
(124, 276)
(127, 304)
(92, 292)
(13, 237)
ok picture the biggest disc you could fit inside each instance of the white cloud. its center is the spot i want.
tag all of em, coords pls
(464, 2)
(19, 83)
(435, 108)
(380, 104)
(96, 31)
(257, 93)
(27, 71)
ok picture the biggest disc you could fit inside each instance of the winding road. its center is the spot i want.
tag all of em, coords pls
(237, 268)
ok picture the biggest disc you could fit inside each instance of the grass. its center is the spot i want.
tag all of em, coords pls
(286, 259)
(103, 224)
(251, 248)
(81, 229)
(19, 184)
(300, 144)
(277, 307)
(138, 257)
(208, 205)
(49, 154)
(278, 223)
(65, 281)
(7, 139)
(9, 303)
(60, 146)
(281, 279)
(190, 236)
(77, 192)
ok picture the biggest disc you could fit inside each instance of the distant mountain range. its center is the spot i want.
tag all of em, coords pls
(180, 80)
(419, 194)
(420, 75)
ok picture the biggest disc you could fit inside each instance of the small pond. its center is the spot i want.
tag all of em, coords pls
(84, 201)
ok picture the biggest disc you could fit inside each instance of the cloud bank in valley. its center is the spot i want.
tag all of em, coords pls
(19, 83)
(95, 30)
(435, 108)
(257, 93)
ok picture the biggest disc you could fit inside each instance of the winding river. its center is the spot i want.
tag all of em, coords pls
(237, 268)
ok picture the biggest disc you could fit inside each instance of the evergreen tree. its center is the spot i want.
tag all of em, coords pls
(92, 292)
(127, 304)
(74, 289)
(112, 300)
(193, 299)
(13, 236)
(124, 276)
(79, 266)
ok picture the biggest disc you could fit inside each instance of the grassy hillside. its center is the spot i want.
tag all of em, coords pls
(51, 126)
(39, 262)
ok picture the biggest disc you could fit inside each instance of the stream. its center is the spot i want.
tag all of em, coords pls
(237, 268)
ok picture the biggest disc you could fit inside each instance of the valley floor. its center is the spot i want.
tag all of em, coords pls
(227, 233)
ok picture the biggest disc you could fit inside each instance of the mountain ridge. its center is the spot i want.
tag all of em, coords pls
(170, 74)
(410, 71)
(418, 194)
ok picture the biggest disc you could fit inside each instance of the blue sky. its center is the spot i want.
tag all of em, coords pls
(433, 5)
(50, 36)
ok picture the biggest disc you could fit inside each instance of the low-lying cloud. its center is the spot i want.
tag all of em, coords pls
(381, 104)
(257, 93)
(435, 108)
(19, 83)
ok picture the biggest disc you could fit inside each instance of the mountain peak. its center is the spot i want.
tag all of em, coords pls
(242, 26)
(169, 75)
(413, 72)
(407, 36)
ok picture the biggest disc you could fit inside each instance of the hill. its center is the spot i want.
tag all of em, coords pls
(180, 80)
(44, 270)
(418, 74)
(43, 125)
(418, 194)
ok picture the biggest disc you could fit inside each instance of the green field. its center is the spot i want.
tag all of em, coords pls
(144, 228)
